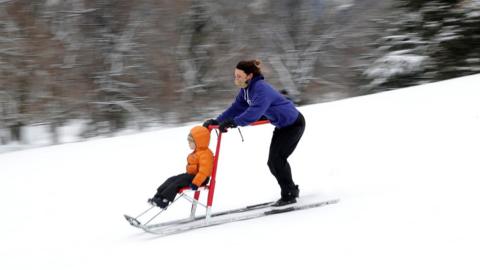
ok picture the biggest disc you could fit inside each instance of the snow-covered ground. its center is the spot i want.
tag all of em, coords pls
(404, 163)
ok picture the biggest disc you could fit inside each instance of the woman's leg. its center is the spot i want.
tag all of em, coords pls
(284, 142)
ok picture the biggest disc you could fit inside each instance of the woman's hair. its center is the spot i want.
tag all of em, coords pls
(250, 66)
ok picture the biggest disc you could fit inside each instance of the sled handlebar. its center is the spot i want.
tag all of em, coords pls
(256, 123)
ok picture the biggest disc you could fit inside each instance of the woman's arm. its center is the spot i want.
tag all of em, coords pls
(238, 106)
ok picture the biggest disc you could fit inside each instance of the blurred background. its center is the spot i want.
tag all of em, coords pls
(77, 69)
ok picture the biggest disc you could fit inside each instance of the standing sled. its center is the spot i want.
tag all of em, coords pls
(211, 219)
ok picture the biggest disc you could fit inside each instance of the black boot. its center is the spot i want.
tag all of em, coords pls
(159, 201)
(295, 192)
(288, 197)
(284, 201)
(153, 199)
(291, 193)
(162, 202)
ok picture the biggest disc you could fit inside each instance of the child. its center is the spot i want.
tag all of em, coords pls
(199, 169)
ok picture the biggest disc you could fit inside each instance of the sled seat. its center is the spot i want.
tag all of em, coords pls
(189, 188)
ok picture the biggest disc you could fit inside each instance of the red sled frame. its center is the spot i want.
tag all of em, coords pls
(210, 187)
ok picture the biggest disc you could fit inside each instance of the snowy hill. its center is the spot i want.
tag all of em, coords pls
(404, 164)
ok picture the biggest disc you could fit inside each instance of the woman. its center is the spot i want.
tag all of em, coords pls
(257, 99)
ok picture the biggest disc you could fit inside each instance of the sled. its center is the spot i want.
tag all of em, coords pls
(195, 199)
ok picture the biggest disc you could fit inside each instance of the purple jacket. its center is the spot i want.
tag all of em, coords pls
(260, 99)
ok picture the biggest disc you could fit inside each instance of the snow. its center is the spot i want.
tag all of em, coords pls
(404, 164)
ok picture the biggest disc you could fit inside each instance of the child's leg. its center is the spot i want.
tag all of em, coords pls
(165, 185)
(169, 189)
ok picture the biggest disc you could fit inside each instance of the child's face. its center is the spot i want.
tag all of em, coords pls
(191, 142)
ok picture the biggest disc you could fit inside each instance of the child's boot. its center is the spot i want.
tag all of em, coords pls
(161, 202)
(153, 199)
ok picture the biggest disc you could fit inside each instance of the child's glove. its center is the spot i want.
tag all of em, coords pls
(210, 122)
(227, 124)
(193, 186)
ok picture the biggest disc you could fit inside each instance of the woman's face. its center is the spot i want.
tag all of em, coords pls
(241, 78)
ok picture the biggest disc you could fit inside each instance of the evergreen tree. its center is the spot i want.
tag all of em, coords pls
(433, 40)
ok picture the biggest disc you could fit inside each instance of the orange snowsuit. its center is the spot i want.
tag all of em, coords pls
(200, 161)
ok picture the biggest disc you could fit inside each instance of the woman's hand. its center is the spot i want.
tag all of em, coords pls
(227, 124)
(210, 122)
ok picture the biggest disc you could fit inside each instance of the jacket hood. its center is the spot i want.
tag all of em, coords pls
(201, 136)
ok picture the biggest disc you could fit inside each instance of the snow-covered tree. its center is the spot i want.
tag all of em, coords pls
(436, 40)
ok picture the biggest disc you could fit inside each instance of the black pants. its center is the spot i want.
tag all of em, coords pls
(172, 185)
(284, 142)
